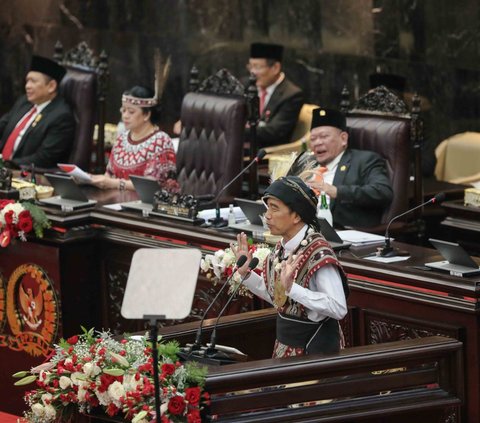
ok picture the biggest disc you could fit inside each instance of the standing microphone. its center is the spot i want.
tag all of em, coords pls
(197, 344)
(218, 221)
(387, 250)
(211, 351)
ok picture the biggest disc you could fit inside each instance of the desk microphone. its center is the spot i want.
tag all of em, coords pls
(387, 250)
(218, 221)
(197, 344)
(210, 352)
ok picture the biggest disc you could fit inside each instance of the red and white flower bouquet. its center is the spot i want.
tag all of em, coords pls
(89, 373)
(17, 219)
(220, 266)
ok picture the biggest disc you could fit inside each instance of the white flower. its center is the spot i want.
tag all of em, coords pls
(38, 409)
(17, 209)
(103, 397)
(50, 412)
(91, 369)
(130, 383)
(42, 367)
(46, 398)
(82, 390)
(163, 408)
(65, 382)
(116, 391)
(205, 264)
(44, 376)
(261, 254)
(75, 377)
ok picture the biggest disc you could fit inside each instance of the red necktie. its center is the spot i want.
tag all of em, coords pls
(263, 96)
(8, 147)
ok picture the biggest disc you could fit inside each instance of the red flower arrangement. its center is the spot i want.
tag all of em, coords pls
(89, 372)
(17, 219)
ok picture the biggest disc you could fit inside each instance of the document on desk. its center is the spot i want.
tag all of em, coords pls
(80, 175)
(380, 259)
(359, 238)
(210, 213)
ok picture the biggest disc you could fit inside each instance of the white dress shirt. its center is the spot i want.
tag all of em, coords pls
(271, 88)
(324, 297)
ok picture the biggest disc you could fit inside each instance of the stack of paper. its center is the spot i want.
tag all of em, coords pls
(80, 176)
(358, 238)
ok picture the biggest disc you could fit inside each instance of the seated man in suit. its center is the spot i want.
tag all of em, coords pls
(280, 99)
(356, 181)
(40, 127)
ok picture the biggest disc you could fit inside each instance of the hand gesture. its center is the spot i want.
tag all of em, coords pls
(241, 249)
(288, 271)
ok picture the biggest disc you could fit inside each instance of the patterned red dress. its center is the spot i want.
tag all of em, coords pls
(151, 156)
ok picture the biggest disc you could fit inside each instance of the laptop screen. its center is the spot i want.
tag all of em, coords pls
(454, 253)
(145, 188)
(252, 210)
(66, 187)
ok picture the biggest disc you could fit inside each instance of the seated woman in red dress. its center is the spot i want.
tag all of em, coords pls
(142, 149)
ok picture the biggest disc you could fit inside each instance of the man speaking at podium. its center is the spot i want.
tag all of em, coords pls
(302, 278)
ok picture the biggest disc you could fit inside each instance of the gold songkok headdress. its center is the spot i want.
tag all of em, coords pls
(161, 75)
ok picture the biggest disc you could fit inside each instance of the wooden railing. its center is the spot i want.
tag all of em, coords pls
(418, 380)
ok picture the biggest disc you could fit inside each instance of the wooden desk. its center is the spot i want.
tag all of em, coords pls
(91, 251)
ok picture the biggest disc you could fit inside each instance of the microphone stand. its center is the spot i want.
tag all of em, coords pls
(387, 250)
(197, 344)
(218, 221)
(153, 322)
(211, 351)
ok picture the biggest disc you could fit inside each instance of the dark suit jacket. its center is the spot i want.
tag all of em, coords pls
(48, 140)
(363, 188)
(280, 115)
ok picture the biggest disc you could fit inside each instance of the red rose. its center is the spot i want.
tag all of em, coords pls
(168, 369)
(3, 203)
(25, 214)
(8, 216)
(176, 405)
(194, 416)
(25, 225)
(192, 395)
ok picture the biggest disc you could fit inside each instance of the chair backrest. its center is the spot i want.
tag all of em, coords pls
(302, 127)
(380, 122)
(458, 157)
(83, 88)
(210, 150)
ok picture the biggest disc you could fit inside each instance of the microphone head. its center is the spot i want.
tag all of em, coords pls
(439, 197)
(253, 263)
(241, 261)
(261, 154)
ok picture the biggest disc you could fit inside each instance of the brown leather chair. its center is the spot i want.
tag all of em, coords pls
(380, 122)
(83, 88)
(210, 150)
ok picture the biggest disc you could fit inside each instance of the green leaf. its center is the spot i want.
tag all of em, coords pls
(23, 373)
(139, 416)
(26, 380)
(114, 372)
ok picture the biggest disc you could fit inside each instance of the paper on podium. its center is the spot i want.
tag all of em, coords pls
(161, 282)
(73, 170)
(358, 238)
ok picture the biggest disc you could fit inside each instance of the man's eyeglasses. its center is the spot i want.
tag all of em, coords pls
(256, 68)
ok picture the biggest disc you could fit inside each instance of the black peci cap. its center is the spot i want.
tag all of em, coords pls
(266, 51)
(328, 117)
(48, 67)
